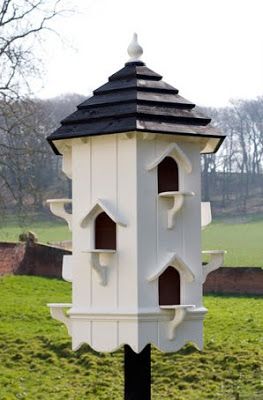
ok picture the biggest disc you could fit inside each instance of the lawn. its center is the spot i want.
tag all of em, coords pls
(242, 240)
(36, 361)
(46, 231)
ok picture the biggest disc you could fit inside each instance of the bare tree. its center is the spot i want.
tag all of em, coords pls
(22, 24)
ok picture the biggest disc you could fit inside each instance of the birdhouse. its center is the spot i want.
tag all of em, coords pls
(133, 153)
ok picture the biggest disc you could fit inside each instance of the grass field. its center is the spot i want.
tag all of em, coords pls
(36, 362)
(242, 239)
(47, 231)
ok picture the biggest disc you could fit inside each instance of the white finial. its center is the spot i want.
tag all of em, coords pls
(134, 50)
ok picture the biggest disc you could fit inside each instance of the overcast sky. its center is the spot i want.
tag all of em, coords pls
(211, 50)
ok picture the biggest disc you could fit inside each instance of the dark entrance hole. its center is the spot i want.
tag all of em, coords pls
(105, 232)
(168, 179)
(169, 287)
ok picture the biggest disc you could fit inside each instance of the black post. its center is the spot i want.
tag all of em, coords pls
(137, 374)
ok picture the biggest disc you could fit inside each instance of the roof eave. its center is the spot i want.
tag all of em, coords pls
(214, 149)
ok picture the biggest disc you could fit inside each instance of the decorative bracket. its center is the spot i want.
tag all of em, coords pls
(127, 135)
(65, 149)
(148, 136)
(178, 201)
(179, 315)
(216, 261)
(57, 207)
(57, 312)
(99, 261)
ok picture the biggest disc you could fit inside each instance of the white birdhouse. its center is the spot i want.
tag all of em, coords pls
(133, 151)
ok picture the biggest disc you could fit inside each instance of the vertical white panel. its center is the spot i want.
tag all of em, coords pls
(104, 335)
(191, 214)
(104, 185)
(147, 200)
(127, 238)
(81, 200)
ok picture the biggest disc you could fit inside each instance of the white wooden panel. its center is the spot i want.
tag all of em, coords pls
(148, 333)
(81, 193)
(191, 223)
(81, 333)
(147, 199)
(82, 277)
(127, 238)
(104, 335)
(128, 333)
(104, 186)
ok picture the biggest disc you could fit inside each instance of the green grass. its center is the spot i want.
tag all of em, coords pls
(242, 241)
(36, 361)
(47, 231)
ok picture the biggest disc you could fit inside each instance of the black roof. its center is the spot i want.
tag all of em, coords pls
(136, 99)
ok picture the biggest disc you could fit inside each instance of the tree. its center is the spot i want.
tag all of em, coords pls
(29, 172)
(22, 24)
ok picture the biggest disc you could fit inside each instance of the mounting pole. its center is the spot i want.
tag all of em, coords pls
(137, 374)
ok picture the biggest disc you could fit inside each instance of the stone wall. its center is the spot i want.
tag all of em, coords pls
(39, 259)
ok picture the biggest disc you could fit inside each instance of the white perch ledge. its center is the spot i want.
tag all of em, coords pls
(99, 261)
(57, 207)
(178, 201)
(216, 261)
(174, 151)
(57, 311)
(178, 263)
(180, 311)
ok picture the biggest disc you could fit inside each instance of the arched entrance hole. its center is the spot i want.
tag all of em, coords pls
(169, 287)
(168, 177)
(105, 232)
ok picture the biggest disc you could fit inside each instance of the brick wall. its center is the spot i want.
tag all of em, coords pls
(11, 255)
(31, 259)
(237, 280)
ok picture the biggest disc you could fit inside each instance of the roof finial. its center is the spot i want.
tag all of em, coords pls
(134, 49)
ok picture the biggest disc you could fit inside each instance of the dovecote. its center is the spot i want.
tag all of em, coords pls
(133, 153)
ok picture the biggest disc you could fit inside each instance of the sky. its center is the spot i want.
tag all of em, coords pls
(211, 50)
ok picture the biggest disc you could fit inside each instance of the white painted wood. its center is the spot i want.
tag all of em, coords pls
(65, 148)
(57, 207)
(206, 215)
(98, 263)
(175, 261)
(178, 201)
(135, 51)
(122, 306)
(57, 312)
(97, 208)
(174, 151)
(178, 317)
(148, 135)
(216, 261)
(67, 268)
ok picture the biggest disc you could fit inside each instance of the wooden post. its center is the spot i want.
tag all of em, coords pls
(137, 374)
